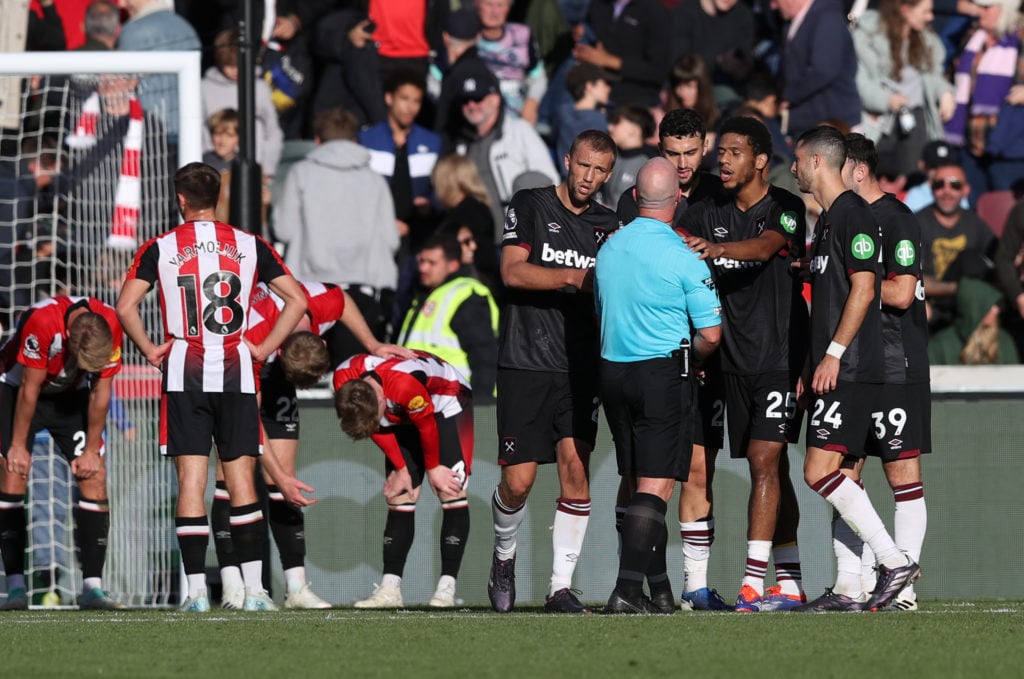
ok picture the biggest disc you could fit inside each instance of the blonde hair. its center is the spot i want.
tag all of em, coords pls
(1009, 17)
(90, 341)
(454, 174)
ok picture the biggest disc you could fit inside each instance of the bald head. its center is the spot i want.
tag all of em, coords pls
(657, 185)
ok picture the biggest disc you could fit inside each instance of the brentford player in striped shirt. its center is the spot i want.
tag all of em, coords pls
(57, 372)
(207, 272)
(419, 413)
(302, 360)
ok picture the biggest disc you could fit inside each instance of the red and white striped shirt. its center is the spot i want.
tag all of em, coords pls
(326, 304)
(40, 342)
(207, 273)
(415, 390)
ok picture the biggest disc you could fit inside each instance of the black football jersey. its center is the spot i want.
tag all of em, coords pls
(904, 331)
(846, 240)
(765, 318)
(549, 329)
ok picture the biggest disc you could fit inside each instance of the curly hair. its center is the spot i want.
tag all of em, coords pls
(356, 404)
(304, 359)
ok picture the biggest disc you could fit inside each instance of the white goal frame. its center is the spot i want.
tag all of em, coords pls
(142, 563)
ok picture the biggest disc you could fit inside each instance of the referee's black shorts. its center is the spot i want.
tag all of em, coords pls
(650, 413)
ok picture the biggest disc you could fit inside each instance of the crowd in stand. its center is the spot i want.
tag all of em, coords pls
(397, 94)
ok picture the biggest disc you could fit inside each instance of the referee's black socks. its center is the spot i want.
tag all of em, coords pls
(643, 531)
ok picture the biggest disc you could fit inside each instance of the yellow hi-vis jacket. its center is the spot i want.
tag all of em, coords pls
(428, 327)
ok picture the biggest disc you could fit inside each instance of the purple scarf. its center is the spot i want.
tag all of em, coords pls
(981, 93)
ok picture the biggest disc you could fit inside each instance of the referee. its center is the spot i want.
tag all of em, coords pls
(650, 290)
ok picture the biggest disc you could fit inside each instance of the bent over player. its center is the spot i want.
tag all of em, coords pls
(58, 371)
(303, 360)
(206, 272)
(419, 413)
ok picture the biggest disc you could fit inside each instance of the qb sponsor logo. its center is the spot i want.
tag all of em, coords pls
(568, 257)
(788, 221)
(862, 246)
(905, 253)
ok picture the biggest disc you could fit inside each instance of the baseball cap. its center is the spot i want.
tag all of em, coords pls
(937, 153)
(463, 24)
(477, 82)
(584, 72)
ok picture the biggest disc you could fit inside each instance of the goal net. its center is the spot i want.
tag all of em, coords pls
(87, 158)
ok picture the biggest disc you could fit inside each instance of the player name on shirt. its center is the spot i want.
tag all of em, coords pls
(215, 247)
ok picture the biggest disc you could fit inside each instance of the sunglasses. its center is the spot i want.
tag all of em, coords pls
(467, 240)
(954, 184)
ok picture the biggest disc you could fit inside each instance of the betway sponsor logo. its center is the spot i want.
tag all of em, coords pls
(819, 264)
(726, 263)
(569, 258)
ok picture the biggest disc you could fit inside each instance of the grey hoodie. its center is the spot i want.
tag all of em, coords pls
(337, 217)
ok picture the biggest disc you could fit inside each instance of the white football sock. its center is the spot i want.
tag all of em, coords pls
(571, 519)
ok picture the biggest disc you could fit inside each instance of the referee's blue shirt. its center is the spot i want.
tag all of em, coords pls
(649, 289)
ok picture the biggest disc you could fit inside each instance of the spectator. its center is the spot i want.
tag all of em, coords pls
(153, 25)
(957, 243)
(337, 217)
(934, 155)
(460, 190)
(219, 90)
(722, 33)
(459, 58)
(989, 118)
(819, 65)
(102, 23)
(975, 336)
(501, 146)
(223, 131)
(630, 127)
(510, 51)
(380, 37)
(633, 39)
(905, 95)
(1009, 259)
(455, 318)
(590, 87)
(689, 86)
(45, 29)
(404, 153)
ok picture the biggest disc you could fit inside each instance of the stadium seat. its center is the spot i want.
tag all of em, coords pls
(994, 207)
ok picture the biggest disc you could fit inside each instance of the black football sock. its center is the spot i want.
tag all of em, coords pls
(454, 532)
(398, 534)
(220, 518)
(643, 528)
(289, 528)
(92, 518)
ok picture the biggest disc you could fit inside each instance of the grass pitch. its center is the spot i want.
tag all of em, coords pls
(943, 639)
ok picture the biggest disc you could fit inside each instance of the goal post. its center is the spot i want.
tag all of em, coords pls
(78, 221)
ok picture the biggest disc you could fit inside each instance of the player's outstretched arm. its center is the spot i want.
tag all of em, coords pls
(290, 486)
(516, 272)
(353, 319)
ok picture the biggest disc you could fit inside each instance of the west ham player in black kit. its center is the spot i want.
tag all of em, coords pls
(547, 363)
(902, 419)
(751, 235)
(846, 360)
(683, 142)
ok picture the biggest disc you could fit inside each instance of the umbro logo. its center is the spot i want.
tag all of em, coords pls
(721, 232)
(823, 433)
(554, 227)
(894, 444)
